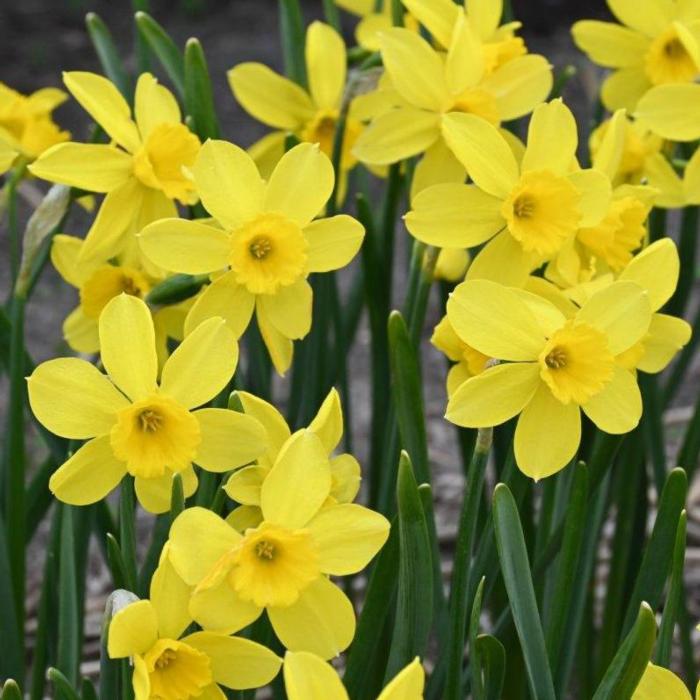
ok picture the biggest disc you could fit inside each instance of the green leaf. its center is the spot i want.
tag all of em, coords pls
(115, 561)
(331, 14)
(64, 688)
(199, 98)
(10, 691)
(10, 659)
(87, 690)
(293, 40)
(127, 534)
(414, 603)
(664, 643)
(176, 288)
(475, 661)
(107, 54)
(164, 48)
(493, 659)
(658, 554)
(159, 535)
(631, 659)
(515, 568)
(177, 499)
(68, 659)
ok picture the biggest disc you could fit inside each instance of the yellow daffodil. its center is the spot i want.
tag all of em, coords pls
(524, 211)
(655, 44)
(468, 361)
(8, 155)
(372, 22)
(135, 425)
(267, 241)
(245, 485)
(429, 87)
(143, 171)
(451, 264)
(551, 367)
(26, 126)
(499, 43)
(308, 677)
(310, 115)
(168, 666)
(282, 565)
(658, 683)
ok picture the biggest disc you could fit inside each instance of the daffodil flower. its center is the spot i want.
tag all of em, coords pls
(266, 241)
(658, 683)
(8, 155)
(134, 425)
(143, 171)
(430, 87)
(169, 666)
(524, 211)
(552, 367)
(281, 566)
(310, 115)
(26, 125)
(245, 485)
(655, 44)
(308, 677)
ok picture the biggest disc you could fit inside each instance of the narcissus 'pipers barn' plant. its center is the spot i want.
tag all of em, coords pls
(434, 279)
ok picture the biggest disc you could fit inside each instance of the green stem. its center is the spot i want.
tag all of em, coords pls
(684, 359)
(12, 220)
(687, 248)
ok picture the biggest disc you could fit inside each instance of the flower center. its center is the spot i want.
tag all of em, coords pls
(272, 565)
(155, 434)
(164, 158)
(177, 671)
(107, 282)
(542, 212)
(576, 363)
(668, 61)
(321, 129)
(267, 253)
(479, 102)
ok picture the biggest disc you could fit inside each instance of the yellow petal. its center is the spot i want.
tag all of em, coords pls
(289, 310)
(495, 321)
(301, 184)
(228, 183)
(618, 407)
(278, 345)
(552, 139)
(546, 416)
(92, 167)
(128, 346)
(219, 609)
(493, 396)
(667, 335)
(141, 680)
(348, 536)
(105, 104)
(415, 69)
(73, 399)
(453, 215)
(483, 151)
(229, 439)
(64, 256)
(275, 426)
(270, 98)
(224, 298)
(155, 495)
(622, 311)
(81, 332)
(267, 151)
(133, 630)
(596, 192)
(153, 105)
(308, 677)
(185, 246)
(346, 476)
(437, 16)
(7, 157)
(89, 475)
(328, 422)
(647, 18)
(502, 260)
(610, 150)
(198, 538)
(244, 517)
(396, 135)
(202, 365)
(407, 684)
(298, 484)
(325, 65)
(671, 111)
(655, 269)
(610, 45)
(465, 64)
(659, 683)
(519, 85)
(333, 242)
(624, 88)
(322, 621)
(665, 179)
(170, 597)
(438, 165)
(244, 485)
(236, 663)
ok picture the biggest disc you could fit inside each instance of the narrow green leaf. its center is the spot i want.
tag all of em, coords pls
(64, 688)
(107, 54)
(662, 657)
(38, 497)
(10, 691)
(293, 41)
(631, 659)
(475, 660)
(10, 658)
(159, 535)
(165, 49)
(177, 499)
(115, 561)
(176, 288)
(199, 98)
(331, 14)
(687, 248)
(69, 647)
(127, 533)
(414, 605)
(515, 568)
(492, 655)
(87, 690)
(690, 449)
(658, 554)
